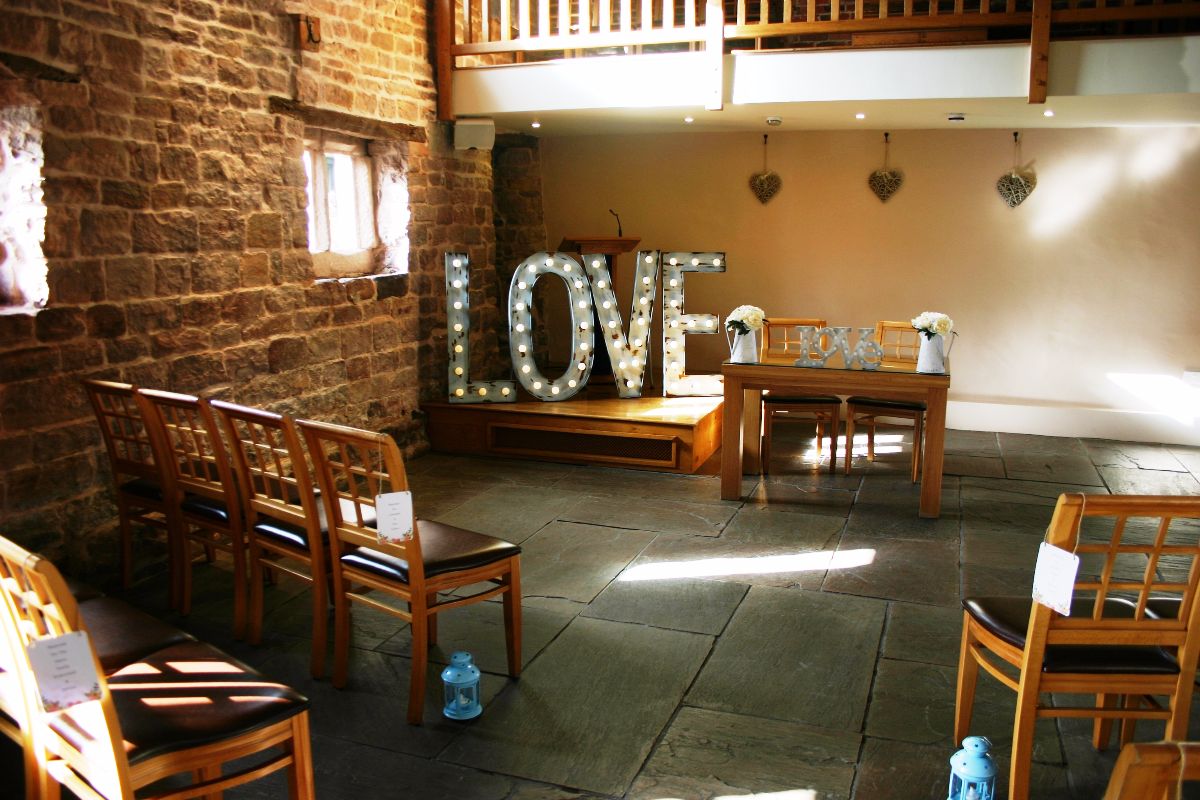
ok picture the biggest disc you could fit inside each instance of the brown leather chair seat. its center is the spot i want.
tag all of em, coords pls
(143, 487)
(877, 402)
(192, 694)
(445, 548)
(1008, 619)
(121, 634)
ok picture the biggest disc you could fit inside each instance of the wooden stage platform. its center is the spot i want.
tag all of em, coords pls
(668, 434)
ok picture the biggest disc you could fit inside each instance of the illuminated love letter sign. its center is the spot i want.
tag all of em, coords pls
(458, 340)
(630, 353)
(677, 324)
(520, 322)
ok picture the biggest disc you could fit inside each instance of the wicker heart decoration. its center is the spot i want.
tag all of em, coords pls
(765, 185)
(885, 183)
(1015, 186)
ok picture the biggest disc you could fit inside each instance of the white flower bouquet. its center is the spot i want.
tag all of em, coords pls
(933, 323)
(744, 319)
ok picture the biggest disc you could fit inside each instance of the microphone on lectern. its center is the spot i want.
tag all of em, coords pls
(618, 216)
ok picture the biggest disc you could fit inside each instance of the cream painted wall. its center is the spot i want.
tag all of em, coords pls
(1096, 274)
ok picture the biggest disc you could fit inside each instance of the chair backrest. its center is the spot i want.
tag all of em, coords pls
(781, 339)
(1141, 549)
(353, 467)
(130, 452)
(1153, 771)
(271, 468)
(82, 740)
(901, 343)
(189, 448)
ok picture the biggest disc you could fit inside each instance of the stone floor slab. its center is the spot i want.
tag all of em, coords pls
(576, 562)
(828, 654)
(709, 754)
(679, 604)
(479, 630)
(1121, 480)
(512, 513)
(914, 702)
(730, 559)
(587, 711)
(930, 634)
(651, 514)
(1132, 455)
(913, 570)
(1052, 468)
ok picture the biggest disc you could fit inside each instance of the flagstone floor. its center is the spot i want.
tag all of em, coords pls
(800, 644)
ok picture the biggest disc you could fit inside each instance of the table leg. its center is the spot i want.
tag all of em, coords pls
(752, 432)
(731, 440)
(935, 450)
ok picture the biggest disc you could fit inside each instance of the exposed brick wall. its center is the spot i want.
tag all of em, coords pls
(520, 224)
(176, 237)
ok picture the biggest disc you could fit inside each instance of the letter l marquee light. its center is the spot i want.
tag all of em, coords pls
(458, 340)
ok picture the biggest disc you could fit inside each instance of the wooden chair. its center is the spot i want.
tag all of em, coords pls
(138, 490)
(185, 710)
(1153, 771)
(353, 468)
(1132, 549)
(901, 343)
(203, 501)
(781, 340)
(283, 518)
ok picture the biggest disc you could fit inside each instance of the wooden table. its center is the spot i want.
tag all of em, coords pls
(744, 384)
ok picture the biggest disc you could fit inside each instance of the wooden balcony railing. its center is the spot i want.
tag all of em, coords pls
(509, 31)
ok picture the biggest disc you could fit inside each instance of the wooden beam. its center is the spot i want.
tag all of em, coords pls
(361, 127)
(1039, 52)
(445, 60)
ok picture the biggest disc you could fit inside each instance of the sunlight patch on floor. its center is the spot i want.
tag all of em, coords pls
(752, 565)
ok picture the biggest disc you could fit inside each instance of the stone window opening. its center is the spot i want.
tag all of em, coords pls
(342, 232)
(23, 267)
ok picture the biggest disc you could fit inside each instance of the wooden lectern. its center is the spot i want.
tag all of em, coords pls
(607, 246)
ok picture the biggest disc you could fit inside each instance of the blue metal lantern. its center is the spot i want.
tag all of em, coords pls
(972, 771)
(462, 687)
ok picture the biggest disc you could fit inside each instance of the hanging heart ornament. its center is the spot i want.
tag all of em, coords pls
(885, 183)
(1016, 186)
(765, 185)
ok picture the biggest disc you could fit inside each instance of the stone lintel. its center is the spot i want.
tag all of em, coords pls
(350, 124)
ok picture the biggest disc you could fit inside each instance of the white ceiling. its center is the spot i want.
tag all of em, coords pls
(1015, 113)
(1093, 83)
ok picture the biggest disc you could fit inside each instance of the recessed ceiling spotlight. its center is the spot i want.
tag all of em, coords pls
(535, 124)
(955, 116)
(774, 122)
(689, 120)
(860, 115)
(1049, 112)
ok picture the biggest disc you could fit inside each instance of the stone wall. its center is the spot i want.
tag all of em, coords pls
(176, 236)
(520, 225)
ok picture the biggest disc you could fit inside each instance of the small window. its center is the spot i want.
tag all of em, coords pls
(341, 207)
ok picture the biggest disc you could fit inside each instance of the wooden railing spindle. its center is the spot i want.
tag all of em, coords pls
(605, 16)
(564, 17)
(524, 23)
(505, 20)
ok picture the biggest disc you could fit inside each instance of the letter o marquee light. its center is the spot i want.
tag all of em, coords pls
(520, 326)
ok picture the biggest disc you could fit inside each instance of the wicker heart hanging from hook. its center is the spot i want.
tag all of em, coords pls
(765, 184)
(1018, 184)
(885, 182)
